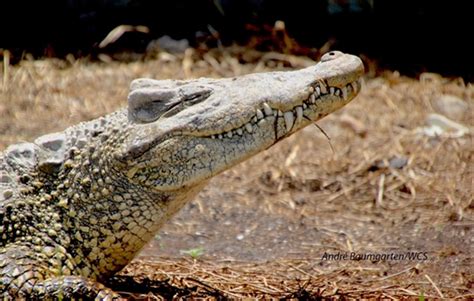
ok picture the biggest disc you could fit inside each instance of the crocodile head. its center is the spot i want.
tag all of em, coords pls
(184, 132)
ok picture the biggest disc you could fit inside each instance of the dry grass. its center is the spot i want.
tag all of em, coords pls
(282, 279)
(266, 229)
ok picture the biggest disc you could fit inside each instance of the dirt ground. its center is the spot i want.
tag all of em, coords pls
(384, 210)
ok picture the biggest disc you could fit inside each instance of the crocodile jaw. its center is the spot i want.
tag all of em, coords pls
(242, 117)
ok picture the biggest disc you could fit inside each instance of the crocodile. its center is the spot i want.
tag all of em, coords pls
(76, 206)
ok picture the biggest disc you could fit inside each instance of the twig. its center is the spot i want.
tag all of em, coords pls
(291, 157)
(393, 275)
(464, 297)
(388, 296)
(300, 270)
(6, 65)
(345, 191)
(434, 285)
(327, 137)
(379, 199)
(410, 292)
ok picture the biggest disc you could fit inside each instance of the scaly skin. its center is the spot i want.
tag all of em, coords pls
(77, 206)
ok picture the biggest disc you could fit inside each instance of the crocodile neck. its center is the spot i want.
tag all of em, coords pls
(106, 218)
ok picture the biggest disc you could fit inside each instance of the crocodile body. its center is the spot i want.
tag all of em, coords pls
(78, 205)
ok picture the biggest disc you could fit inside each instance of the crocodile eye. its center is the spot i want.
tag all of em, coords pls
(185, 102)
(149, 104)
(195, 98)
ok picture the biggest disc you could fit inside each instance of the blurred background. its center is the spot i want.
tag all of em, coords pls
(408, 36)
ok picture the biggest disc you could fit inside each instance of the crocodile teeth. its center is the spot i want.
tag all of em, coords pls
(289, 120)
(324, 89)
(318, 91)
(249, 127)
(299, 114)
(344, 93)
(354, 86)
(296, 115)
(267, 109)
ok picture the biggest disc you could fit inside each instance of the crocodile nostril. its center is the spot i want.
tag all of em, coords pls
(331, 56)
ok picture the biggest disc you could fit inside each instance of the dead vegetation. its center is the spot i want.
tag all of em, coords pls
(390, 186)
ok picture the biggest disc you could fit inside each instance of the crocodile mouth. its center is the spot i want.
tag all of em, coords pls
(318, 92)
(311, 109)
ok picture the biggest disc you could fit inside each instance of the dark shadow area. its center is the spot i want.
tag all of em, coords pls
(138, 290)
(409, 36)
